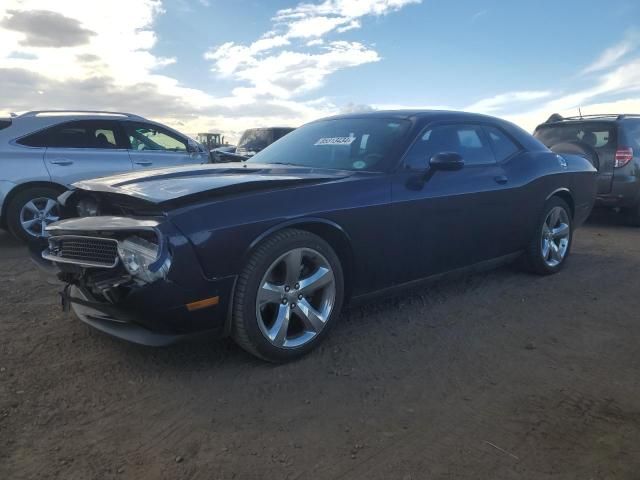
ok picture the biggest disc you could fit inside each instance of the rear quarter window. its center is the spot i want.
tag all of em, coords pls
(503, 146)
(38, 139)
(632, 135)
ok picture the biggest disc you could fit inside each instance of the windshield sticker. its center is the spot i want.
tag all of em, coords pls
(335, 141)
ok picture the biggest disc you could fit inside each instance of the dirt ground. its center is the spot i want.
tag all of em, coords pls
(495, 376)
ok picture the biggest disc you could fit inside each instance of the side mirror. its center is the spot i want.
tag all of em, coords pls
(446, 161)
(192, 148)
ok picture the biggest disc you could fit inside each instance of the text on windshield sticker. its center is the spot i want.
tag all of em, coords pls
(335, 141)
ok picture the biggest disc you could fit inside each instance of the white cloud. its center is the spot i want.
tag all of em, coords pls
(342, 8)
(104, 60)
(476, 16)
(623, 81)
(352, 25)
(89, 55)
(277, 65)
(611, 56)
(288, 74)
(509, 99)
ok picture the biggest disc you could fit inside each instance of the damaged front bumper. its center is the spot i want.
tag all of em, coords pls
(110, 299)
(153, 327)
(112, 320)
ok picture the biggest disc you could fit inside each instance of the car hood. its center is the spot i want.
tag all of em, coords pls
(166, 184)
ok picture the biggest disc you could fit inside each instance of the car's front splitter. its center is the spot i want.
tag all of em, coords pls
(151, 316)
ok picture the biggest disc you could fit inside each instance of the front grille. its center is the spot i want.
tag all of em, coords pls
(86, 251)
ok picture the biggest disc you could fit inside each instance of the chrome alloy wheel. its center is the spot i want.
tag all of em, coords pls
(36, 214)
(295, 298)
(556, 235)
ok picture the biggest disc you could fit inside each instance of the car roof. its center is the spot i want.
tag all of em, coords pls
(269, 128)
(26, 123)
(557, 120)
(432, 115)
(423, 117)
(77, 114)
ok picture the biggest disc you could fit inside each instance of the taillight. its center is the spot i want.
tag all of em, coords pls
(623, 156)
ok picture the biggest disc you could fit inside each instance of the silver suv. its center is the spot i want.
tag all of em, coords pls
(43, 152)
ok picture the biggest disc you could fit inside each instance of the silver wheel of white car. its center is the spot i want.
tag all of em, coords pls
(31, 210)
(36, 214)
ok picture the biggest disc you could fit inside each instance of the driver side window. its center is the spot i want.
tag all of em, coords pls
(469, 141)
(147, 137)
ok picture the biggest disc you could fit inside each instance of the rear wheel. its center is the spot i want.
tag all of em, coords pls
(632, 216)
(550, 247)
(288, 296)
(31, 210)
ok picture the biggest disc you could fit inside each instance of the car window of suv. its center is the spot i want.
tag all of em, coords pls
(469, 141)
(632, 134)
(149, 137)
(256, 139)
(503, 146)
(80, 134)
(597, 136)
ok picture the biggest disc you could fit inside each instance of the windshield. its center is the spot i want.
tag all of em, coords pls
(598, 136)
(345, 144)
(255, 140)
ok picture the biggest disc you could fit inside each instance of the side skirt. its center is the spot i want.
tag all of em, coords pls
(483, 266)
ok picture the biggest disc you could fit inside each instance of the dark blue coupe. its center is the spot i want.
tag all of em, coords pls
(269, 250)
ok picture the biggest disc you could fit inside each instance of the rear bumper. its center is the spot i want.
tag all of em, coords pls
(625, 192)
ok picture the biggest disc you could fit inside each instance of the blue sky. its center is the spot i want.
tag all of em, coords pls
(229, 65)
(430, 52)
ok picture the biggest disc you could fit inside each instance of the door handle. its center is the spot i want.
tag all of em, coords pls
(145, 164)
(61, 161)
(501, 179)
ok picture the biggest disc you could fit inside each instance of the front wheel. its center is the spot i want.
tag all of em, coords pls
(550, 247)
(288, 296)
(31, 211)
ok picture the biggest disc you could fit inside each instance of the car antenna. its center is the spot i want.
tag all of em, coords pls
(580, 112)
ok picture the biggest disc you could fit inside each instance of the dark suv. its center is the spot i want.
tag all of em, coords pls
(612, 144)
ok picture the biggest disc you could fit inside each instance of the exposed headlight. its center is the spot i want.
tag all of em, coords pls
(87, 208)
(140, 258)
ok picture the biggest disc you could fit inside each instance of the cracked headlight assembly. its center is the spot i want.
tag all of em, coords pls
(87, 207)
(142, 259)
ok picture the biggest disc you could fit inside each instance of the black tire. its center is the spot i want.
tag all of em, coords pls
(632, 216)
(245, 328)
(533, 259)
(19, 201)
